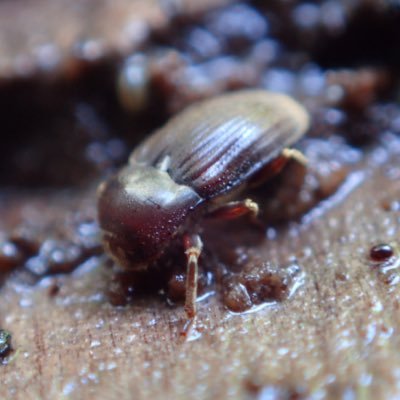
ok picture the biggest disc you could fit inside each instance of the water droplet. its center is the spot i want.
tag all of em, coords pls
(69, 388)
(95, 343)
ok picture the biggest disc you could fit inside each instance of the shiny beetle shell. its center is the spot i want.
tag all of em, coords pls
(217, 144)
(201, 156)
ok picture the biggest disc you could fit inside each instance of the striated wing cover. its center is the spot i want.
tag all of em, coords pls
(217, 144)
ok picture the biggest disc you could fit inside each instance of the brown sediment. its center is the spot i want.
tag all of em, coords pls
(261, 283)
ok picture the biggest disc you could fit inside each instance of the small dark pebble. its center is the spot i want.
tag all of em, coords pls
(26, 247)
(384, 259)
(37, 266)
(10, 256)
(236, 297)
(381, 252)
(54, 290)
(358, 88)
(259, 283)
(5, 343)
(202, 44)
(55, 256)
(87, 236)
(26, 239)
(238, 25)
(341, 276)
(61, 256)
(391, 205)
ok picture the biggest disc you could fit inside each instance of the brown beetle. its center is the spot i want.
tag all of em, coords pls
(196, 166)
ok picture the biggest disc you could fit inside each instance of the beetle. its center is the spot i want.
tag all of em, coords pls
(198, 165)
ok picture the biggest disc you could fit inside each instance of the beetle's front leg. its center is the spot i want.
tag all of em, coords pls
(235, 209)
(193, 246)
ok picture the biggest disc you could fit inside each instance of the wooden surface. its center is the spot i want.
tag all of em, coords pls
(33, 39)
(337, 337)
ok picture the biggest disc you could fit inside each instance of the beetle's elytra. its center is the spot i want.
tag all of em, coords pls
(195, 166)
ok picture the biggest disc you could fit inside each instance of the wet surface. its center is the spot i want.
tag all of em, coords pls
(322, 322)
(305, 306)
(342, 309)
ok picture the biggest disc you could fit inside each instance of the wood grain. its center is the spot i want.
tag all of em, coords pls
(337, 337)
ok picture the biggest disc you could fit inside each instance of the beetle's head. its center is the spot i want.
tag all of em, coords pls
(140, 210)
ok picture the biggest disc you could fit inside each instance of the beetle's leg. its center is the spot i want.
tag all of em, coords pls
(235, 209)
(276, 165)
(293, 154)
(193, 246)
